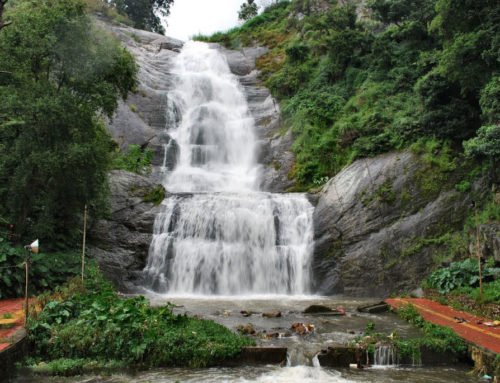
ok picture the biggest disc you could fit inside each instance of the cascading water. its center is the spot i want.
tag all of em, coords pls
(218, 234)
(385, 355)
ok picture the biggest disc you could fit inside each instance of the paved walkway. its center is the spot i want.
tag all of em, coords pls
(470, 327)
(14, 322)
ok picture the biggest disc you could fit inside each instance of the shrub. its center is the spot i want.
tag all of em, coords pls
(134, 159)
(458, 274)
(90, 322)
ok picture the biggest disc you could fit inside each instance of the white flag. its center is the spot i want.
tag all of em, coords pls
(34, 247)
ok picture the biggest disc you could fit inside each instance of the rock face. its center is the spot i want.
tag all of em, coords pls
(142, 117)
(489, 239)
(371, 221)
(120, 243)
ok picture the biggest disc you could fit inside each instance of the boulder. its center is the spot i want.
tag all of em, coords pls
(320, 309)
(371, 219)
(120, 243)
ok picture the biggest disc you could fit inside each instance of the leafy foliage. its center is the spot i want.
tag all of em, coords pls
(491, 292)
(134, 159)
(47, 270)
(145, 14)
(91, 322)
(354, 87)
(459, 274)
(435, 338)
(60, 73)
(248, 10)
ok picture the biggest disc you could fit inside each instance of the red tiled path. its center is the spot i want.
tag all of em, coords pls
(479, 334)
(13, 307)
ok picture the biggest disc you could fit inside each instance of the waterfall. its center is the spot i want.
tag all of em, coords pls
(385, 355)
(218, 234)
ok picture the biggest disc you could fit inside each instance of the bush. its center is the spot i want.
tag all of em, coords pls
(90, 322)
(459, 274)
(134, 159)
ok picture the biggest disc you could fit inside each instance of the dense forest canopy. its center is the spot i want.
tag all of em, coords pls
(59, 74)
(357, 80)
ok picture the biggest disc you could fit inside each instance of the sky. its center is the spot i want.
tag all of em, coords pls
(190, 17)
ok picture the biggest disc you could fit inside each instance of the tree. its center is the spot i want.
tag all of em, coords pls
(54, 150)
(3, 23)
(248, 10)
(146, 14)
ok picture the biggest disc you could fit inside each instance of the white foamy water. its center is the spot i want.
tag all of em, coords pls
(219, 235)
(216, 132)
(300, 374)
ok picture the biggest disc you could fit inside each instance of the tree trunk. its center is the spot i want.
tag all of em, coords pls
(3, 23)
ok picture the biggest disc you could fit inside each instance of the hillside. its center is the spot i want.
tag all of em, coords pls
(356, 80)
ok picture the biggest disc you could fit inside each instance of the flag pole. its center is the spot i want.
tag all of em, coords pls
(26, 269)
(84, 239)
(33, 248)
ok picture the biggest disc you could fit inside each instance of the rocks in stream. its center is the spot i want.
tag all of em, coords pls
(272, 314)
(246, 329)
(302, 328)
(324, 310)
(374, 308)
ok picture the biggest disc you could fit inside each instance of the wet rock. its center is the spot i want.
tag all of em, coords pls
(302, 328)
(337, 357)
(374, 308)
(120, 243)
(258, 356)
(324, 310)
(272, 335)
(246, 329)
(246, 313)
(273, 314)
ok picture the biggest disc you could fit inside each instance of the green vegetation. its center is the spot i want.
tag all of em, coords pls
(73, 367)
(59, 75)
(459, 274)
(47, 270)
(435, 338)
(134, 159)
(156, 195)
(140, 14)
(353, 87)
(248, 10)
(491, 292)
(89, 322)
